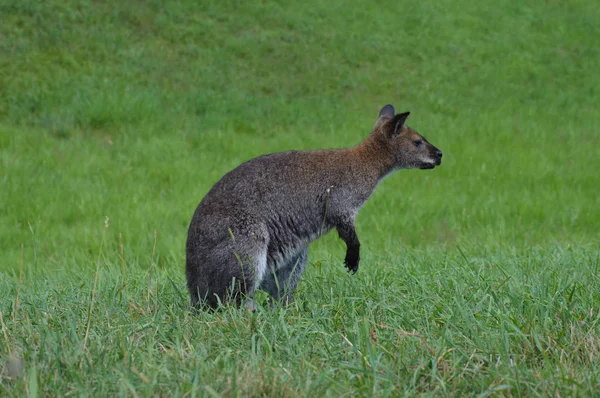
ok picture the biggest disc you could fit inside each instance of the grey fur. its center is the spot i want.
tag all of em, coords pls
(253, 228)
(280, 283)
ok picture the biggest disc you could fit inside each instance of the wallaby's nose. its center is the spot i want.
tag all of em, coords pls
(438, 157)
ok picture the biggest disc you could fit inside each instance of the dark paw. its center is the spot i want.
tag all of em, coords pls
(352, 260)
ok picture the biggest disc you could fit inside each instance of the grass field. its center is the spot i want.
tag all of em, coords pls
(479, 278)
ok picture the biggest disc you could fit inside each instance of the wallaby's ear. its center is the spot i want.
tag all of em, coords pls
(385, 114)
(387, 111)
(397, 122)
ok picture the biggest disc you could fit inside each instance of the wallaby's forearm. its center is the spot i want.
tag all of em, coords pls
(348, 235)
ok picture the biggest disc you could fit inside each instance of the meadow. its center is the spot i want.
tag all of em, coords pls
(478, 278)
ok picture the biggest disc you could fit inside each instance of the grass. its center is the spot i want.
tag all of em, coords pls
(453, 324)
(478, 278)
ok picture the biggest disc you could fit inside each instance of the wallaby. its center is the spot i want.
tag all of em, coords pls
(253, 228)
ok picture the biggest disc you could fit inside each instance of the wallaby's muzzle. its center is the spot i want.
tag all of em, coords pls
(436, 159)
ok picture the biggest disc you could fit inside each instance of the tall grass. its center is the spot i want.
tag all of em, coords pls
(458, 323)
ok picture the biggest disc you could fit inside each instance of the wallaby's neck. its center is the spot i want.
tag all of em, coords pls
(376, 155)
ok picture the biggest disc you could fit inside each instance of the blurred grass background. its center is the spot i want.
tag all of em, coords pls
(133, 110)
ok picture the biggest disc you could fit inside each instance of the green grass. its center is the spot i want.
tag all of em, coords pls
(479, 277)
(451, 324)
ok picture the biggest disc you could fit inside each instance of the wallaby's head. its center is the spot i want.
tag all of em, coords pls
(409, 149)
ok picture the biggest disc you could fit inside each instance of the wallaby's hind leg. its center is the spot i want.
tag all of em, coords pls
(229, 270)
(281, 283)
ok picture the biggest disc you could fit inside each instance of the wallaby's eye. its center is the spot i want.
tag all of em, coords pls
(418, 143)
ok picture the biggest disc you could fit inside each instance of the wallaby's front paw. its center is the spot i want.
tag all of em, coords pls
(352, 260)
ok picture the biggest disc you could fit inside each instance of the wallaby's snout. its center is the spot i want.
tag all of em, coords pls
(432, 159)
(435, 156)
(438, 157)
